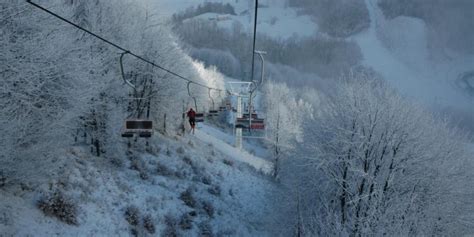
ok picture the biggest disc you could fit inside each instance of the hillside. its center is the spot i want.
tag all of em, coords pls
(226, 196)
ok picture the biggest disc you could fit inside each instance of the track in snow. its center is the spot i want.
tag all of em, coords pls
(209, 135)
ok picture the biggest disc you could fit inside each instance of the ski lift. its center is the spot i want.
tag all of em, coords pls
(246, 115)
(140, 127)
(212, 112)
(254, 123)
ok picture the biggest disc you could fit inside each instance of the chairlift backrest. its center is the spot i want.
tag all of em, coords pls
(138, 124)
(245, 123)
(213, 113)
(199, 117)
(141, 127)
(246, 115)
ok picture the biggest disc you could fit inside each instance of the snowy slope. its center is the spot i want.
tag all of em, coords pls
(406, 63)
(236, 192)
(274, 19)
(213, 136)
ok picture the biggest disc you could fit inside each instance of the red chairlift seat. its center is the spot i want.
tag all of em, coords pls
(244, 123)
(141, 127)
(258, 124)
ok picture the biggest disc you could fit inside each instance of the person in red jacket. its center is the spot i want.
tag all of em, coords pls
(192, 118)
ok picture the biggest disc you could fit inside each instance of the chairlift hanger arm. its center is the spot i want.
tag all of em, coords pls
(189, 91)
(212, 99)
(123, 72)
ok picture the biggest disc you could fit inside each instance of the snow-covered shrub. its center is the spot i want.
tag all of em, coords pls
(180, 150)
(59, 206)
(206, 179)
(186, 221)
(215, 190)
(163, 170)
(116, 161)
(205, 229)
(228, 162)
(148, 224)
(171, 228)
(181, 173)
(208, 208)
(144, 175)
(136, 164)
(132, 215)
(188, 160)
(188, 198)
(3, 179)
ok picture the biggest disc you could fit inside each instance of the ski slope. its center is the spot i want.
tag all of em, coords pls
(408, 67)
(274, 20)
(222, 141)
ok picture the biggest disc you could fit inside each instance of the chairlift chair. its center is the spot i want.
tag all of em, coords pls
(213, 113)
(246, 116)
(257, 123)
(199, 117)
(141, 127)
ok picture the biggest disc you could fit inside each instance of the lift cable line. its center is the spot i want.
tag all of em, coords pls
(126, 51)
(254, 39)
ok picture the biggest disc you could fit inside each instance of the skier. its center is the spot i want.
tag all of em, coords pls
(192, 118)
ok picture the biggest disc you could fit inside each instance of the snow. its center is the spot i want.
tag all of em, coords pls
(103, 192)
(221, 142)
(406, 64)
(274, 20)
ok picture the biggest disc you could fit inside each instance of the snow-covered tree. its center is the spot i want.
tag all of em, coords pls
(284, 115)
(62, 87)
(375, 164)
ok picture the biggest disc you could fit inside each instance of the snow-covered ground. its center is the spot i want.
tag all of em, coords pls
(210, 168)
(407, 65)
(222, 142)
(274, 19)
